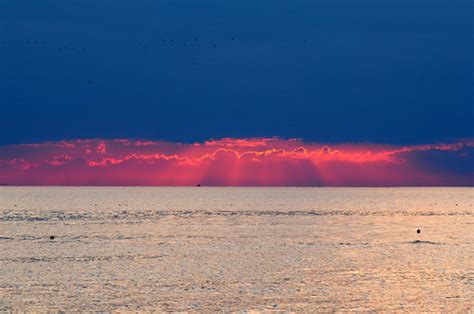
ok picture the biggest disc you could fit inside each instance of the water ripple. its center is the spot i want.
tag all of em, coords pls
(157, 214)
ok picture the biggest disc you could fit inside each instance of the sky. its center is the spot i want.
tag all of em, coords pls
(382, 73)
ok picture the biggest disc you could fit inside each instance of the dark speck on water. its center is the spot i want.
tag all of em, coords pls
(51, 237)
(418, 231)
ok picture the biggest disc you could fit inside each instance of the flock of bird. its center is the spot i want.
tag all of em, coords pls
(195, 42)
(140, 47)
(195, 46)
(192, 43)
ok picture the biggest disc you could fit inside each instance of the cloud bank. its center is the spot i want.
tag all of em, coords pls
(236, 162)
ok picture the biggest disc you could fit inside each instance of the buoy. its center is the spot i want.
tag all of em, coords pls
(51, 237)
(418, 231)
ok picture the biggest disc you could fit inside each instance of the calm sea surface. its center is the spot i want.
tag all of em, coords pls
(223, 249)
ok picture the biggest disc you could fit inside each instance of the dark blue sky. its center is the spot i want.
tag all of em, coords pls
(390, 71)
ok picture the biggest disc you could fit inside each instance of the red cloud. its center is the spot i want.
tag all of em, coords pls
(266, 161)
(233, 142)
(102, 148)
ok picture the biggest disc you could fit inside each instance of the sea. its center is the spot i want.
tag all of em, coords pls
(236, 249)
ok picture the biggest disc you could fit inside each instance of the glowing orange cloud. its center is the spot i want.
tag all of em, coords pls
(228, 161)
